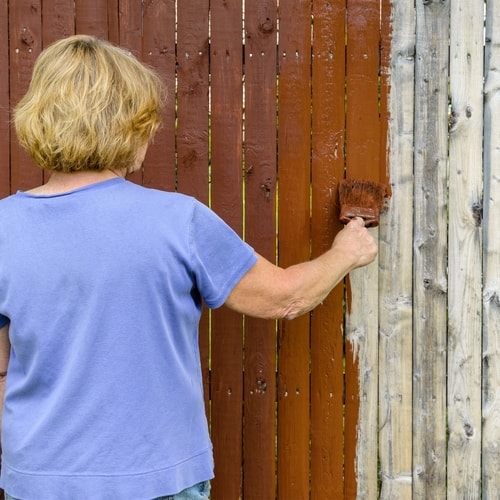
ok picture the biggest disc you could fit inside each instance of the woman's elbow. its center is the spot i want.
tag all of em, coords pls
(292, 310)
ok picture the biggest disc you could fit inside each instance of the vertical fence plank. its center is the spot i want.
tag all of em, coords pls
(491, 268)
(430, 273)
(192, 98)
(363, 161)
(259, 447)
(113, 21)
(395, 249)
(192, 127)
(226, 200)
(465, 248)
(159, 52)
(92, 18)
(25, 36)
(327, 341)
(294, 235)
(4, 103)
(130, 26)
(130, 38)
(62, 16)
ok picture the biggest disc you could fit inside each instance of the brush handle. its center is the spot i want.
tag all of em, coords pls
(369, 215)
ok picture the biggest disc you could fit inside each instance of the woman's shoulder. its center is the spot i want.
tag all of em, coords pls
(164, 196)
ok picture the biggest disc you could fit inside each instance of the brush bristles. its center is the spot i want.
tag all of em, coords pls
(361, 198)
(361, 192)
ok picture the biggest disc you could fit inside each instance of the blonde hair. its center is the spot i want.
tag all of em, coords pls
(90, 106)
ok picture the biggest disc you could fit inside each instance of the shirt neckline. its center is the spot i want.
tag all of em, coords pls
(94, 185)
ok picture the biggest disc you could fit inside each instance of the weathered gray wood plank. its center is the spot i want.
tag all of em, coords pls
(396, 241)
(491, 267)
(430, 249)
(465, 247)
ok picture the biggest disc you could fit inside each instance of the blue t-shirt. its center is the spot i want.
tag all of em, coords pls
(103, 287)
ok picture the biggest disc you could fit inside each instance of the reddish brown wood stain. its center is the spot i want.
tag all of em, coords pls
(363, 134)
(92, 18)
(385, 62)
(283, 411)
(226, 198)
(328, 124)
(294, 146)
(130, 37)
(259, 447)
(158, 50)
(192, 128)
(25, 44)
(4, 104)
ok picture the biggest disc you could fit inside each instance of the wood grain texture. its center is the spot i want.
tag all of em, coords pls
(159, 51)
(395, 261)
(491, 266)
(465, 249)
(191, 172)
(5, 130)
(92, 18)
(25, 43)
(362, 162)
(430, 249)
(259, 444)
(294, 139)
(327, 168)
(226, 200)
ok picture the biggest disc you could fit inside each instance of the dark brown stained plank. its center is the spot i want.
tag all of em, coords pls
(294, 146)
(259, 447)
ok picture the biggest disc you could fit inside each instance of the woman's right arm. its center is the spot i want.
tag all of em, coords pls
(269, 291)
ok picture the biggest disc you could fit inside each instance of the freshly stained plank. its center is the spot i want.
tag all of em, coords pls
(192, 97)
(294, 119)
(92, 18)
(113, 21)
(395, 250)
(226, 200)
(25, 43)
(130, 27)
(4, 103)
(430, 249)
(158, 51)
(465, 249)
(62, 20)
(192, 127)
(327, 341)
(491, 267)
(259, 446)
(363, 162)
(130, 38)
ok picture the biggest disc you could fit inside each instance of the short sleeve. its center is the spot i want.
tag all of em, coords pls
(3, 320)
(220, 257)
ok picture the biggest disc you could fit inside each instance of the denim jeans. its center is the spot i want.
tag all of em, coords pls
(200, 491)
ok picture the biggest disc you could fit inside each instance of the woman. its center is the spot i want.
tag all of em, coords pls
(101, 290)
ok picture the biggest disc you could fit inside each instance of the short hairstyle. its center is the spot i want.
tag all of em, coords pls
(90, 106)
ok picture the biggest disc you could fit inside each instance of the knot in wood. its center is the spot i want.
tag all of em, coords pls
(27, 37)
(468, 430)
(477, 213)
(267, 26)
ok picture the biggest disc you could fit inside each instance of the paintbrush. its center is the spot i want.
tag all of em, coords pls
(361, 198)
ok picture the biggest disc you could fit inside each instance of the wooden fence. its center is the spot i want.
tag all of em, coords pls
(391, 388)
